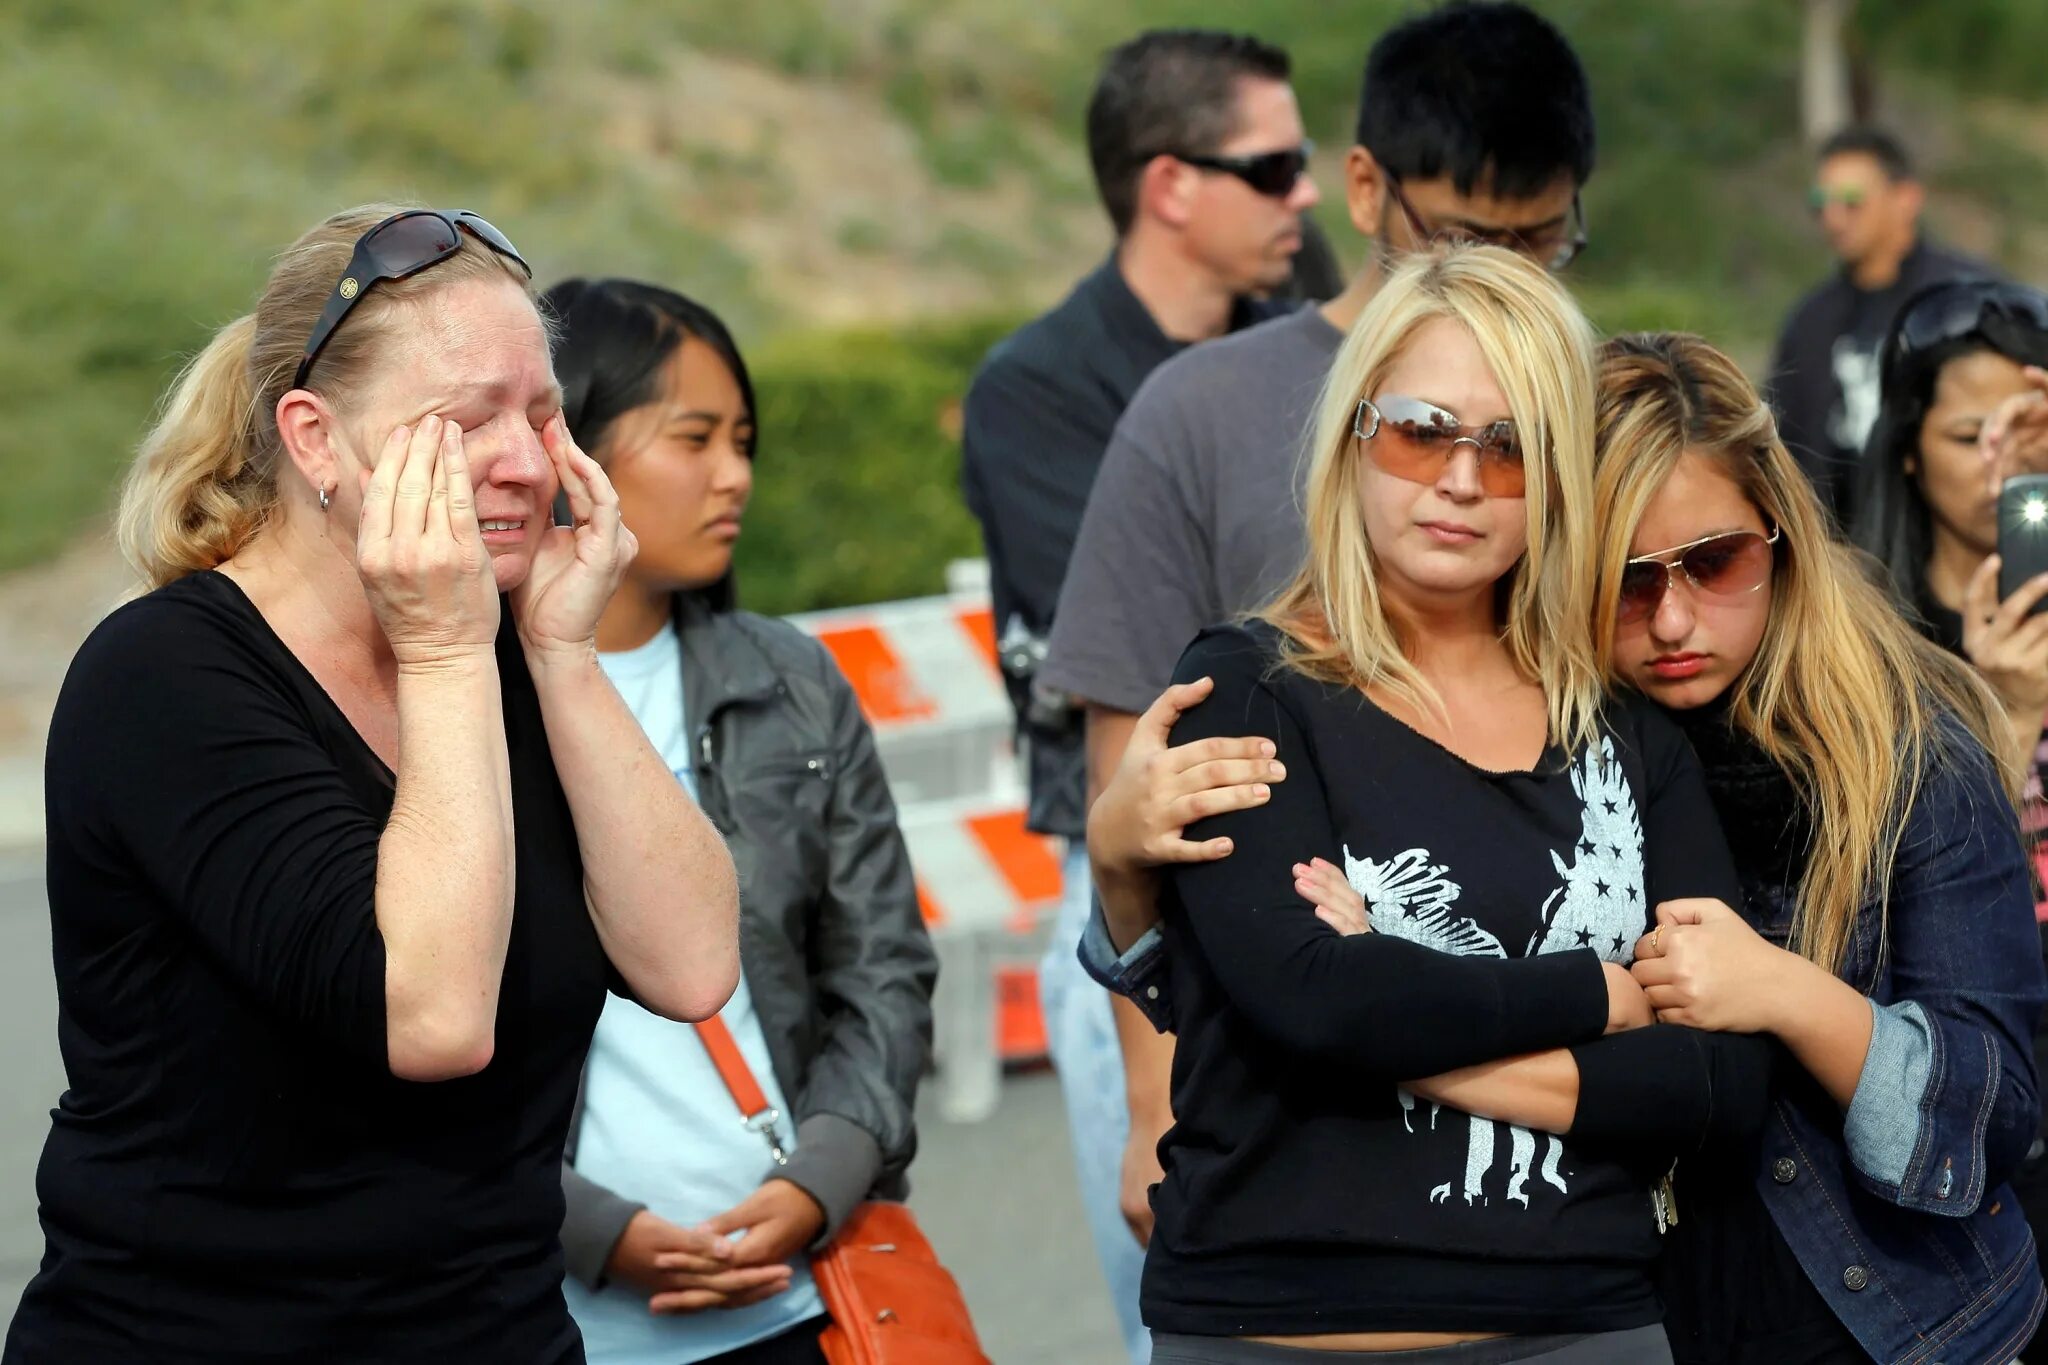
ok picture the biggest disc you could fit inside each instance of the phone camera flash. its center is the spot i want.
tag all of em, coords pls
(2036, 511)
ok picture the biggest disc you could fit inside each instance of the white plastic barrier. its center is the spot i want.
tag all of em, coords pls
(925, 673)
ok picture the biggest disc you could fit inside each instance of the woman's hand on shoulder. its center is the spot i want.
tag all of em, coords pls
(1139, 822)
(579, 567)
(420, 553)
(1704, 966)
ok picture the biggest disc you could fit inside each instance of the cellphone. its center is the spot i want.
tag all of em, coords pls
(2022, 534)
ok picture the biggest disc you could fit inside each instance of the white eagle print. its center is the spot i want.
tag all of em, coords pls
(1599, 906)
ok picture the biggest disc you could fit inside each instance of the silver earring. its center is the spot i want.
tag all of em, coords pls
(325, 498)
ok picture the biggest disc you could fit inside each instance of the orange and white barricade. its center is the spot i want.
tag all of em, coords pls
(926, 675)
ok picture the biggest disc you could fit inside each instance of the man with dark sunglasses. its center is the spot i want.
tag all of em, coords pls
(1824, 376)
(1474, 124)
(1201, 159)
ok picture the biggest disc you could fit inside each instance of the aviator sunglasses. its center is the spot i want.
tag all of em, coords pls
(404, 244)
(1270, 173)
(1732, 564)
(1414, 440)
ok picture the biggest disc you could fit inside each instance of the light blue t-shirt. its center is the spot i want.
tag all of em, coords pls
(659, 1127)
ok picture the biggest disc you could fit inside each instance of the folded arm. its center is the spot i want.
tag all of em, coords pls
(1371, 1002)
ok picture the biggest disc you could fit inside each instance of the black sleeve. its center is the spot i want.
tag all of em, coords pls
(205, 784)
(1371, 1002)
(1670, 1088)
(1684, 852)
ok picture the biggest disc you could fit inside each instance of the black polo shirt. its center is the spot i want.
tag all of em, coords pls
(1038, 417)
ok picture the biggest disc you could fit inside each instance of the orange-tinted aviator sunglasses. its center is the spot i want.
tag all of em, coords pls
(1413, 440)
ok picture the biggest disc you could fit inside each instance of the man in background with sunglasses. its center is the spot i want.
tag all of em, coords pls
(1201, 160)
(1474, 124)
(1824, 377)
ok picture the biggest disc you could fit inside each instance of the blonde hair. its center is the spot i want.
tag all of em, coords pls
(1539, 347)
(205, 481)
(1844, 696)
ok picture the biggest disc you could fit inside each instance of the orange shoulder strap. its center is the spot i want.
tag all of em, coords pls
(732, 1067)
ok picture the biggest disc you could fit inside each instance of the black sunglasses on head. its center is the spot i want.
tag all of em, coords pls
(1270, 173)
(404, 244)
(1950, 312)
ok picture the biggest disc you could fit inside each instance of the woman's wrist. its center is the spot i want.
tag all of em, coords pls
(1130, 902)
(554, 662)
(1786, 984)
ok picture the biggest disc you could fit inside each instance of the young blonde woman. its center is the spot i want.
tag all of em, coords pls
(1430, 680)
(1887, 941)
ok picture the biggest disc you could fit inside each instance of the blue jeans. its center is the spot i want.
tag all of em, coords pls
(1082, 1036)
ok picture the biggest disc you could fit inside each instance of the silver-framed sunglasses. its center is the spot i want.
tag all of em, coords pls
(1728, 564)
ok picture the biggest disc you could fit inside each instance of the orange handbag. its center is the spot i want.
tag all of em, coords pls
(890, 1300)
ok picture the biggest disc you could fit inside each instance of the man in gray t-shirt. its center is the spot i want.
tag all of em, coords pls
(1196, 513)
(1474, 123)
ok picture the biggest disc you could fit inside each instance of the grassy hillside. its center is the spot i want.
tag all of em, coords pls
(869, 189)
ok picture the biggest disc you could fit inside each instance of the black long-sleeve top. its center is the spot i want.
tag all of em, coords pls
(1304, 1191)
(234, 1174)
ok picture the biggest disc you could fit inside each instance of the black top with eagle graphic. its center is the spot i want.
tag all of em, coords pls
(1306, 1191)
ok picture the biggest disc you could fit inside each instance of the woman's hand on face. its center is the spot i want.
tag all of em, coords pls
(1704, 967)
(420, 552)
(576, 569)
(2014, 440)
(2009, 647)
(1337, 902)
(1138, 821)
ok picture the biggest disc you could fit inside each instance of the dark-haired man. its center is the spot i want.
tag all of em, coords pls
(1824, 382)
(1200, 159)
(1474, 123)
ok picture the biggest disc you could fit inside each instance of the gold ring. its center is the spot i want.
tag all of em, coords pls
(1657, 941)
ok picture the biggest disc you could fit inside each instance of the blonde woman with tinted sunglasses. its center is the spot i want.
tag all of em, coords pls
(1430, 680)
(1886, 940)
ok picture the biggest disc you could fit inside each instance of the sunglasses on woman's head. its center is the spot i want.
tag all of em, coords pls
(1732, 564)
(1950, 312)
(1414, 440)
(404, 244)
(1270, 173)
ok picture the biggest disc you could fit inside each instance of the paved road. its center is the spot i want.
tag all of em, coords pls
(997, 1198)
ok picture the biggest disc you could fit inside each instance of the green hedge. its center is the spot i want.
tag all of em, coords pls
(857, 483)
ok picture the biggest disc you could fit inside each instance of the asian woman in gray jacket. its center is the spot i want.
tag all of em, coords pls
(687, 1233)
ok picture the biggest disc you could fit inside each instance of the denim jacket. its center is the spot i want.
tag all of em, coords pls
(1898, 1210)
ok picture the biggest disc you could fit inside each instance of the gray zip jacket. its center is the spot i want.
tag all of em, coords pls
(831, 941)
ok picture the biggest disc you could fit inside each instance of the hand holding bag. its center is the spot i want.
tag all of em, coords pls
(890, 1300)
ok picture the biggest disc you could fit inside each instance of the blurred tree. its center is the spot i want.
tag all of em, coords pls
(1825, 104)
